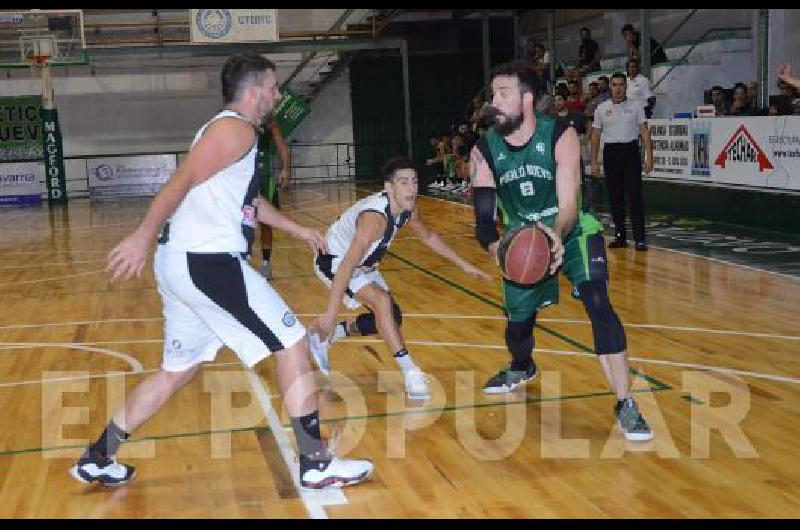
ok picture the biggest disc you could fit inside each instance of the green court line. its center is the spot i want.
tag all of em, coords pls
(692, 399)
(450, 408)
(660, 385)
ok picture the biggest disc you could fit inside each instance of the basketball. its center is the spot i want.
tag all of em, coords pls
(524, 255)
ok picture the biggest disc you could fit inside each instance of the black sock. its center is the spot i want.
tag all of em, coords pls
(266, 253)
(109, 442)
(309, 442)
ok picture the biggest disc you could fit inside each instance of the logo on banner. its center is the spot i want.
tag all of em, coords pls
(104, 172)
(214, 23)
(742, 148)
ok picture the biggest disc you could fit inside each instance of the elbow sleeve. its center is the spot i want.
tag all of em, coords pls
(485, 208)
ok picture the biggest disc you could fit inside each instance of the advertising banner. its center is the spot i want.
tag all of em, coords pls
(128, 176)
(20, 183)
(234, 25)
(20, 128)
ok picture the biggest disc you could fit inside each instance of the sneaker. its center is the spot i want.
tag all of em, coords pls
(338, 473)
(641, 246)
(319, 351)
(507, 380)
(618, 243)
(266, 270)
(631, 422)
(103, 469)
(416, 385)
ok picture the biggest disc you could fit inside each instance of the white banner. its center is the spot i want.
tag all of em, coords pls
(128, 176)
(757, 151)
(234, 25)
(21, 183)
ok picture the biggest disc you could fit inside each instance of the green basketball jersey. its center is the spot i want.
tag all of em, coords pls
(525, 176)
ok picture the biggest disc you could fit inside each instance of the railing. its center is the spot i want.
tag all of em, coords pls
(310, 163)
(694, 45)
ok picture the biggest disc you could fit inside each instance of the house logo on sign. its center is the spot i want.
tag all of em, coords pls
(743, 149)
(214, 23)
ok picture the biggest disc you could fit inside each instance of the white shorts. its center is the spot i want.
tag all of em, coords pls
(324, 267)
(211, 300)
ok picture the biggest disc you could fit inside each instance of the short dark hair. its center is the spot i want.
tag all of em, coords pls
(627, 27)
(632, 60)
(587, 30)
(603, 78)
(593, 83)
(740, 85)
(240, 71)
(717, 87)
(619, 75)
(394, 164)
(523, 72)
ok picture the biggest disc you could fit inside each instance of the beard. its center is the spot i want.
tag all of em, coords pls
(505, 127)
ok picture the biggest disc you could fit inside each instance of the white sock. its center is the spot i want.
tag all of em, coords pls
(339, 331)
(405, 362)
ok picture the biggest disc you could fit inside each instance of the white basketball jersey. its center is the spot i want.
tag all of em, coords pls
(341, 232)
(219, 214)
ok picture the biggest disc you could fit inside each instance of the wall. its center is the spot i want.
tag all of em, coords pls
(330, 122)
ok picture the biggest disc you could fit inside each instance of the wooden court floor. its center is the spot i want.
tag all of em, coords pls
(715, 356)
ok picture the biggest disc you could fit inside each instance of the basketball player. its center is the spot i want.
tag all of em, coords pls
(211, 295)
(271, 132)
(529, 167)
(358, 240)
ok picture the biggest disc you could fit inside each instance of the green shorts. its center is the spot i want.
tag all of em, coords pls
(267, 182)
(584, 259)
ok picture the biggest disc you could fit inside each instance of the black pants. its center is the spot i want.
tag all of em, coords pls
(622, 165)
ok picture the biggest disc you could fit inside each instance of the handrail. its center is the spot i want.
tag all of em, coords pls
(663, 44)
(693, 46)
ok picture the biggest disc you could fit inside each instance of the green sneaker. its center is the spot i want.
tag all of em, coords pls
(631, 422)
(507, 380)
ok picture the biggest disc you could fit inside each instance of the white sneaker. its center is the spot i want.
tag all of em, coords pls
(338, 473)
(103, 469)
(416, 385)
(319, 351)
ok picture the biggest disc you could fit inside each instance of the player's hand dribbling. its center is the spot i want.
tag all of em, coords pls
(314, 239)
(556, 248)
(127, 259)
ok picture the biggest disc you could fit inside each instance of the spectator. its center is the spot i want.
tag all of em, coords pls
(542, 87)
(435, 163)
(574, 97)
(740, 105)
(535, 55)
(588, 53)
(603, 93)
(718, 100)
(563, 89)
(633, 39)
(639, 88)
(592, 100)
(785, 75)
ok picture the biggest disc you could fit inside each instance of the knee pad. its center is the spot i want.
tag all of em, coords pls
(609, 335)
(519, 337)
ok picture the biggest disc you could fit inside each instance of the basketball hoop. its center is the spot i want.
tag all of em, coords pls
(39, 61)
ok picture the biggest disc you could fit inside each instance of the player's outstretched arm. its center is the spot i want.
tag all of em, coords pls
(224, 142)
(269, 215)
(438, 245)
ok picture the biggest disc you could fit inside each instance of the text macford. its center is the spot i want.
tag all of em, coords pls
(528, 170)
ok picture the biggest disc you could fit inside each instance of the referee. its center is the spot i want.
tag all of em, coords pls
(622, 121)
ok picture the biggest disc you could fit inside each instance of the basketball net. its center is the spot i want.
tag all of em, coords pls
(41, 63)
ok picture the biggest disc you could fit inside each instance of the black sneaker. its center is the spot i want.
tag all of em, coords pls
(618, 243)
(103, 469)
(641, 246)
(631, 422)
(507, 379)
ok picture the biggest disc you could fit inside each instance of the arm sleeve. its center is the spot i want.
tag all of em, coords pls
(483, 199)
(483, 147)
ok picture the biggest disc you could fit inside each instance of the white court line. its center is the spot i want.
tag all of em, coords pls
(32, 265)
(314, 501)
(132, 361)
(42, 280)
(445, 316)
(716, 260)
